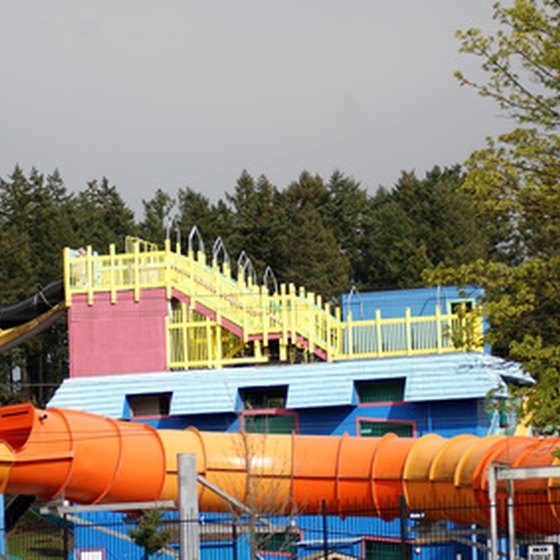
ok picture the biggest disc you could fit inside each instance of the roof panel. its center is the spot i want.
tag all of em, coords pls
(428, 378)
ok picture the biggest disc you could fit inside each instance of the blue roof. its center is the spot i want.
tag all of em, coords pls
(317, 385)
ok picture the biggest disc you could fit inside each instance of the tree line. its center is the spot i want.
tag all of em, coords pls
(326, 235)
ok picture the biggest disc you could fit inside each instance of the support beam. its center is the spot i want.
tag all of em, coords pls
(188, 507)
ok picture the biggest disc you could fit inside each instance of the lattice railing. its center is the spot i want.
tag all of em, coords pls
(293, 317)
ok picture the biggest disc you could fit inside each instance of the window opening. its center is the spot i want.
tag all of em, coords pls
(154, 404)
(264, 397)
(380, 391)
(455, 306)
(270, 423)
(373, 428)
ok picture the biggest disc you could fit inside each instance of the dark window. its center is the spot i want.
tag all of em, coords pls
(264, 397)
(377, 429)
(154, 404)
(382, 550)
(270, 423)
(380, 391)
(461, 305)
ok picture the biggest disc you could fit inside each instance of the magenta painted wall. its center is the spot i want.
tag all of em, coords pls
(122, 337)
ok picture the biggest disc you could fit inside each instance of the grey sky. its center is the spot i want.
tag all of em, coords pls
(178, 93)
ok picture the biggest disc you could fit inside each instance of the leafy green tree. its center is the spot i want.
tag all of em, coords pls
(514, 184)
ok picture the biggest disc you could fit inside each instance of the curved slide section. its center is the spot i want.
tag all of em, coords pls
(31, 308)
(25, 319)
(91, 459)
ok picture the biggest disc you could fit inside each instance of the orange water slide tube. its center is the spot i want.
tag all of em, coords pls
(92, 459)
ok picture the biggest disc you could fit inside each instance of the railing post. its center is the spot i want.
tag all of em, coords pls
(350, 349)
(339, 329)
(264, 313)
(311, 314)
(185, 316)
(67, 283)
(293, 313)
(408, 332)
(112, 273)
(167, 249)
(209, 348)
(219, 354)
(328, 321)
(136, 271)
(438, 329)
(284, 319)
(379, 332)
(89, 272)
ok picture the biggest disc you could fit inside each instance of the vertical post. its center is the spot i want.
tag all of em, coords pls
(510, 520)
(234, 537)
(188, 507)
(408, 333)
(328, 338)
(284, 321)
(65, 536)
(404, 555)
(350, 349)
(89, 272)
(493, 512)
(112, 273)
(379, 333)
(67, 283)
(167, 269)
(136, 271)
(325, 531)
(438, 329)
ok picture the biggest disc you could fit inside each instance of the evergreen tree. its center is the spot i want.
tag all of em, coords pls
(194, 209)
(346, 214)
(157, 221)
(418, 225)
(257, 221)
(34, 228)
(100, 217)
(313, 258)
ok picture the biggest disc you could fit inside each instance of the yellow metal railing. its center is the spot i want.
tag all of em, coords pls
(219, 305)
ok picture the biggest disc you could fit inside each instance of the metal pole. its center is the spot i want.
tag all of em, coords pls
(493, 511)
(403, 528)
(65, 530)
(325, 532)
(234, 536)
(511, 519)
(188, 507)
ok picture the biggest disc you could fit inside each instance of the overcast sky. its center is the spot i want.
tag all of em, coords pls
(174, 93)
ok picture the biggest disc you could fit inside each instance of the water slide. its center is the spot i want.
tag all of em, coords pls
(91, 459)
(25, 319)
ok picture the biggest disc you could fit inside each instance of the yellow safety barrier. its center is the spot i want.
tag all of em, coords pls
(225, 321)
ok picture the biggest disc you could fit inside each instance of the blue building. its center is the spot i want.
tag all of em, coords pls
(446, 393)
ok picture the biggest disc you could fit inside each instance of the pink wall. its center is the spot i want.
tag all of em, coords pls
(124, 337)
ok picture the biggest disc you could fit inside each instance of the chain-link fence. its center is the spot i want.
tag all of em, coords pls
(356, 534)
